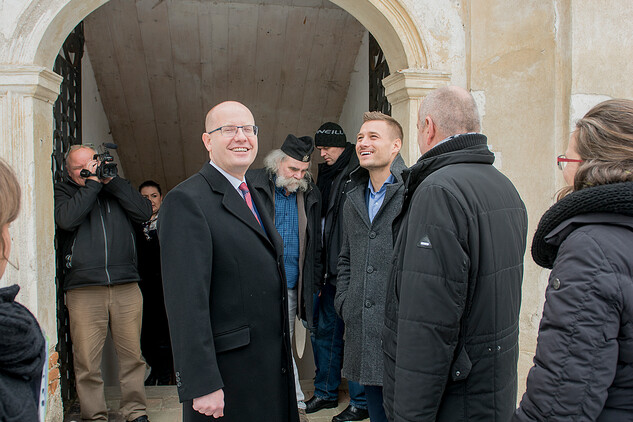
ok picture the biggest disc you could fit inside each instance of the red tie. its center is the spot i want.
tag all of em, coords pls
(249, 201)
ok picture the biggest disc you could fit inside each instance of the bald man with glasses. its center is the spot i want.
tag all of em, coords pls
(225, 287)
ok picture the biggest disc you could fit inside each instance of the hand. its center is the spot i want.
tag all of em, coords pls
(91, 166)
(210, 405)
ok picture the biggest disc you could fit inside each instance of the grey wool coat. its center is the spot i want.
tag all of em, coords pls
(363, 270)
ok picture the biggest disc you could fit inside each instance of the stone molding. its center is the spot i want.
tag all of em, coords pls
(407, 84)
(405, 90)
(394, 29)
(30, 80)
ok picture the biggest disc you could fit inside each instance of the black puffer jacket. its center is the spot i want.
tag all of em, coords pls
(452, 311)
(97, 236)
(583, 367)
(22, 359)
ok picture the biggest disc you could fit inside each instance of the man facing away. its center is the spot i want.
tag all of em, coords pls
(225, 290)
(101, 280)
(374, 199)
(290, 195)
(327, 339)
(452, 312)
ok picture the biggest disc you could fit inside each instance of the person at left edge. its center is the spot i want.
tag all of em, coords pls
(101, 281)
(224, 284)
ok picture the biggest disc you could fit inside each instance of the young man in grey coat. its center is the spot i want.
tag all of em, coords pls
(374, 199)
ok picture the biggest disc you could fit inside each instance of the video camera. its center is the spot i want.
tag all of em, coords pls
(106, 168)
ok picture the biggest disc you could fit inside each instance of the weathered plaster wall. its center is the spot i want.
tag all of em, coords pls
(513, 52)
(602, 42)
(357, 101)
(601, 62)
(443, 30)
(95, 128)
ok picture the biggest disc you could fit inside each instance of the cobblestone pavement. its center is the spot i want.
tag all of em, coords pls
(163, 405)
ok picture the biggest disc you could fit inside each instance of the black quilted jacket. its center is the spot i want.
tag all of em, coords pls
(583, 367)
(452, 311)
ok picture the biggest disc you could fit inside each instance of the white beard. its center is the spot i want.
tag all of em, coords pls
(291, 184)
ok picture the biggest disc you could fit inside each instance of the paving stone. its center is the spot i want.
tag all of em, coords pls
(163, 404)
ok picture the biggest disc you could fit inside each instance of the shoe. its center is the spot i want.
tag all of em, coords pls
(351, 413)
(141, 419)
(302, 416)
(317, 403)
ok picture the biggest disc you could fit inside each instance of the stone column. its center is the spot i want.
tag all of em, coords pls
(405, 90)
(27, 94)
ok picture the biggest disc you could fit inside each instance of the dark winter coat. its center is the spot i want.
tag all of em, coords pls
(452, 310)
(333, 225)
(22, 360)
(583, 367)
(363, 271)
(155, 340)
(98, 240)
(310, 249)
(226, 299)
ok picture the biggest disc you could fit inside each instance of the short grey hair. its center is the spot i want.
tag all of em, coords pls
(453, 110)
(77, 147)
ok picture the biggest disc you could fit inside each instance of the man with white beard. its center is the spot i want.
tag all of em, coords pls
(295, 203)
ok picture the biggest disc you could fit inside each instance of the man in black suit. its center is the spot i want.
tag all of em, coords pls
(225, 288)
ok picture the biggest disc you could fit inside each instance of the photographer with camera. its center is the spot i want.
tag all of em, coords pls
(94, 210)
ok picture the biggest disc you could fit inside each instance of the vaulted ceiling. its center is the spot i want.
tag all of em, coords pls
(161, 64)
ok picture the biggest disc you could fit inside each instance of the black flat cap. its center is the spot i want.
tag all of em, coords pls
(298, 148)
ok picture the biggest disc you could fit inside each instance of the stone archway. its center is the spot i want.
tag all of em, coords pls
(33, 32)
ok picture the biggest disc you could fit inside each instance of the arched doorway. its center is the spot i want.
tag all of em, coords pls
(28, 88)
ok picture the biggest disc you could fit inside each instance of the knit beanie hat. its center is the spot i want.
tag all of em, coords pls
(330, 135)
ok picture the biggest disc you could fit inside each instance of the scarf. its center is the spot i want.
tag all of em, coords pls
(327, 174)
(616, 198)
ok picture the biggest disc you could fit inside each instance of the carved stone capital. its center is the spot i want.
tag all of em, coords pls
(30, 80)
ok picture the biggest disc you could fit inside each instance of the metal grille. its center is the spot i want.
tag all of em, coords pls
(378, 70)
(66, 132)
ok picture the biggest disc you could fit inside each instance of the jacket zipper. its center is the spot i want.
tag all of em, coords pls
(105, 240)
(69, 262)
(134, 247)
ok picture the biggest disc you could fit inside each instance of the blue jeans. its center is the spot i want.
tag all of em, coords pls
(327, 344)
(374, 403)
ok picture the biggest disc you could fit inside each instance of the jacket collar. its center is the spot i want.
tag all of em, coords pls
(611, 204)
(235, 204)
(466, 148)
(360, 177)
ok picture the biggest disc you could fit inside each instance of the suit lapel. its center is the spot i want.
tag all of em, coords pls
(267, 221)
(356, 196)
(232, 201)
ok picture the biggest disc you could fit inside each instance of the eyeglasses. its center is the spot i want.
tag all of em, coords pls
(562, 161)
(231, 131)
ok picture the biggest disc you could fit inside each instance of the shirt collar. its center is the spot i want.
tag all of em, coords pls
(235, 182)
(389, 180)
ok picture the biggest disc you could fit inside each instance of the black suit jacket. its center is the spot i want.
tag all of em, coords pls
(225, 294)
